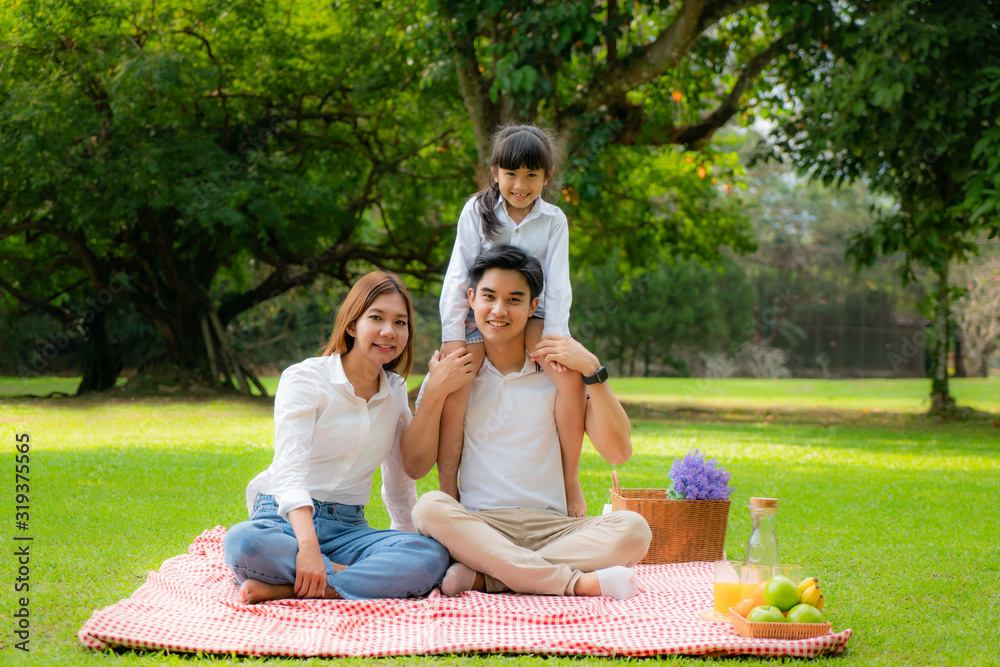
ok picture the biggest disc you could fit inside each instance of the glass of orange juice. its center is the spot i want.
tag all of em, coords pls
(752, 576)
(727, 585)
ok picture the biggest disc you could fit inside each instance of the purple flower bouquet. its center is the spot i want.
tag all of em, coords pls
(694, 478)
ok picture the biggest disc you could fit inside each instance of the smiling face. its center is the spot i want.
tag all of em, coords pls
(502, 304)
(382, 330)
(520, 187)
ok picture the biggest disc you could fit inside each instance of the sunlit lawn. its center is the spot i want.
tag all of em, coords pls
(897, 514)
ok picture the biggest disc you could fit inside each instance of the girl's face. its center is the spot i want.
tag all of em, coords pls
(381, 332)
(520, 187)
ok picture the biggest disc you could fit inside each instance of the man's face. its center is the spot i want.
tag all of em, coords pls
(502, 304)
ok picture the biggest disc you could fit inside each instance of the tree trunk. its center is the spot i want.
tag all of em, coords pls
(103, 361)
(941, 400)
(197, 348)
(960, 371)
(983, 369)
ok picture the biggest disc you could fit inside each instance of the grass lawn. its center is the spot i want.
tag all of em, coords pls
(896, 514)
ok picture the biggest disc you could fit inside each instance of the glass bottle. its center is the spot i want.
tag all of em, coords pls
(762, 547)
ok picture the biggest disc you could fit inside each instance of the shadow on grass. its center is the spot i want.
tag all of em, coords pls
(825, 417)
(97, 400)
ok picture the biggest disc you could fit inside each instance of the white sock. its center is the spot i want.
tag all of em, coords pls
(458, 579)
(618, 582)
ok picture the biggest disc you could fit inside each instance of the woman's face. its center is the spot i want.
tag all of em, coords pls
(382, 331)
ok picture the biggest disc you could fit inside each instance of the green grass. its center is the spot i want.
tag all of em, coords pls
(872, 395)
(895, 513)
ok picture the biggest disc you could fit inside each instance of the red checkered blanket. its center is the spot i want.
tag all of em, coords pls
(190, 605)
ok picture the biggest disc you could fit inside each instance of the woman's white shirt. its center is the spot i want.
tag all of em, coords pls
(328, 441)
(543, 234)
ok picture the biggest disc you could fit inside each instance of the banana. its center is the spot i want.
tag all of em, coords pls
(812, 595)
(806, 583)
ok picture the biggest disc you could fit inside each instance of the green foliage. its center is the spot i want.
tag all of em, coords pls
(805, 298)
(655, 204)
(635, 325)
(223, 156)
(983, 187)
(181, 142)
(635, 92)
(902, 98)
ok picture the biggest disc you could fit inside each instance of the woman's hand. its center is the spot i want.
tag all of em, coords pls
(310, 572)
(566, 352)
(448, 373)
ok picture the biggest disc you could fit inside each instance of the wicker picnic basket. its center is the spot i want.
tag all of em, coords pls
(683, 530)
(745, 628)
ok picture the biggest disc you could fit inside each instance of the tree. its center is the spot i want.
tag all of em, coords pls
(977, 313)
(623, 83)
(641, 325)
(207, 159)
(196, 161)
(896, 96)
(825, 317)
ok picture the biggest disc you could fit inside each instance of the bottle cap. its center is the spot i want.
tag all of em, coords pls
(763, 502)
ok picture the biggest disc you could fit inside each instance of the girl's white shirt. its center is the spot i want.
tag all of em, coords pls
(328, 442)
(543, 234)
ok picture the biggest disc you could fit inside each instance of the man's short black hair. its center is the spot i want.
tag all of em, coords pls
(510, 258)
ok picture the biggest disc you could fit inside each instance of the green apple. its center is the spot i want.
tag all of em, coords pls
(782, 593)
(766, 614)
(805, 613)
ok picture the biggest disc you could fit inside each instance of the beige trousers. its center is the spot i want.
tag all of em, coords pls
(530, 551)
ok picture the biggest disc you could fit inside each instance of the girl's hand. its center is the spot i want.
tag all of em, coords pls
(310, 572)
(451, 372)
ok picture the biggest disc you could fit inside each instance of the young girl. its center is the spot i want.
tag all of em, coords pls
(510, 210)
(337, 418)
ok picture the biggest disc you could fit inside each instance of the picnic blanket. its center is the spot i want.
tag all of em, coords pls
(190, 605)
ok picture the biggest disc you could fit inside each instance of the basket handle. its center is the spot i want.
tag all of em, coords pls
(615, 485)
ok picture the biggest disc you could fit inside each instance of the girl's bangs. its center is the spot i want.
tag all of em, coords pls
(523, 149)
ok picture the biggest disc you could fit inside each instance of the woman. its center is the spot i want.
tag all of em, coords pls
(337, 418)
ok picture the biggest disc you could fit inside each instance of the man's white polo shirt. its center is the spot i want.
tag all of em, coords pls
(511, 456)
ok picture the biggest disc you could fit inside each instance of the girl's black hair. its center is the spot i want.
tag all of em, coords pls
(514, 146)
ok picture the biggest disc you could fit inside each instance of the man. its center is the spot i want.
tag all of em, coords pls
(510, 531)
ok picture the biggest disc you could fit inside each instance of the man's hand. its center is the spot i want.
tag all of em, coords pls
(566, 352)
(451, 372)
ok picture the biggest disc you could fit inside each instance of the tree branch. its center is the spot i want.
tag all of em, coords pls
(187, 30)
(722, 8)
(698, 133)
(95, 269)
(475, 94)
(645, 63)
(63, 315)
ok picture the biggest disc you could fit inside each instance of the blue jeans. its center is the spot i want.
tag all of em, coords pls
(383, 563)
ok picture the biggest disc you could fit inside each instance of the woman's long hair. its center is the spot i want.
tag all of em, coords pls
(514, 146)
(368, 288)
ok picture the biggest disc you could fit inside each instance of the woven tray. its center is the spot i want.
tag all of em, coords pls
(683, 530)
(745, 628)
